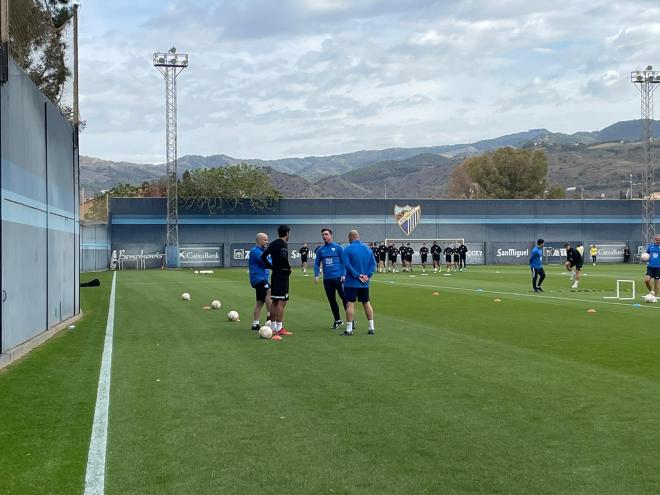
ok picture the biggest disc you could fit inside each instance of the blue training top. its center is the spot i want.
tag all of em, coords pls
(536, 258)
(330, 255)
(258, 271)
(654, 251)
(358, 260)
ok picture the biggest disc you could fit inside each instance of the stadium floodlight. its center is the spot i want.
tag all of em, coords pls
(171, 64)
(646, 82)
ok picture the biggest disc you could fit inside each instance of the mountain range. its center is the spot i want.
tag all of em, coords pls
(600, 161)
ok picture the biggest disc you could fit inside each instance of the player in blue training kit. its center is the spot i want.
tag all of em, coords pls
(653, 268)
(360, 266)
(259, 278)
(536, 265)
(329, 256)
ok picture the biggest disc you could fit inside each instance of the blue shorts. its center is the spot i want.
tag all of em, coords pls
(653, 272)
(353, 294)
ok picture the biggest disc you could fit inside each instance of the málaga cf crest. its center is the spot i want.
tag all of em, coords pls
(407, 217)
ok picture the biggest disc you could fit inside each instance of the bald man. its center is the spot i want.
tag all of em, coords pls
(360, 265)
(259, 279)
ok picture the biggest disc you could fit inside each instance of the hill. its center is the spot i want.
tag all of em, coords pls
(601, 161)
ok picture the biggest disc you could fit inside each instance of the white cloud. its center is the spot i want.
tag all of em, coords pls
(300, 77)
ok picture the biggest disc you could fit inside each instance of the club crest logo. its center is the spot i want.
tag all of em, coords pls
(407, 217)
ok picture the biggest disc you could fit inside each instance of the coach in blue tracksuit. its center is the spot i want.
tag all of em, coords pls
(329, 256)
(536, 265)
(652, 278)
(360, 266)
(259, 278)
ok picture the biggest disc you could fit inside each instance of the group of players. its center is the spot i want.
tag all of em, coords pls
(346, 273)
(575, 261)
(386, 256)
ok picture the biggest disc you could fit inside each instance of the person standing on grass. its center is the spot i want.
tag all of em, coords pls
(593, 252)
(304, 252)
(536, 265)
(436, 251)
(360, 266)
(278, 250)
(652, 278)
(259, 279)
(462, 256)
(423, 255)
(329, 256)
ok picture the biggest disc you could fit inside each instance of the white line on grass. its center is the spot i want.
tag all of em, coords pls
(502, 293)
(95, 475)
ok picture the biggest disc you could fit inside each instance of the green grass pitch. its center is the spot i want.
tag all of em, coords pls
(456, 393)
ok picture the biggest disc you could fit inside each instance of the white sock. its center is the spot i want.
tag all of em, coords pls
(255, 322)
(278, 326)
(371, 324)
(349, 327)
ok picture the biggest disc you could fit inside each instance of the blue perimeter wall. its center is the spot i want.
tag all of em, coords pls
(40, 213)
(494, 224)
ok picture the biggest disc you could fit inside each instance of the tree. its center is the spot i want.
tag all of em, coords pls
(216, 188)
(461, 185)
(556, 192)
(509, 173)
(37, 44)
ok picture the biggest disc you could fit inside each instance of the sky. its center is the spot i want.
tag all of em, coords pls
(289, 78)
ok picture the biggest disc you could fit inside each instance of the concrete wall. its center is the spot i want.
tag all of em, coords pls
(94, 247)
(40, 215)
(498, 224)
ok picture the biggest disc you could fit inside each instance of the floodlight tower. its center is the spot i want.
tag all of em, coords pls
(171, 64)
(646, 81)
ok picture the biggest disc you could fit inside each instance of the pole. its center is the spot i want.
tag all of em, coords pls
(4, 21)
(76, 108)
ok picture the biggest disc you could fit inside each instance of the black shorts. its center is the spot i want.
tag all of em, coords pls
(448, 258)
(457, 258)
(393, 258)
(653, 272)
(261, 289)
(303, 258)
(436, 257)
(279, 287)
(382, 258)
(424, 258)
(409, 259)
(356, 293)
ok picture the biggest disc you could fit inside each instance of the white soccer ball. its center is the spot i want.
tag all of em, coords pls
(215, 304)
(196, 272)
(650, 298)
(232, 315)
(265, 332)
(185, 296)
(645, 257)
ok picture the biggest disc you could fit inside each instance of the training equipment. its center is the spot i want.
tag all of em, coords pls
(645, 257)
(650, 298)
(185, 296)
(592, 310)
(232, 315)
(215, 304)
(619, 283)
(265, 332)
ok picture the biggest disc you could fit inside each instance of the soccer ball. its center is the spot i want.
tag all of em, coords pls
(265, 332)
(650, 298)
(185, 296)
(215, 304)
(645, 257)
(232, 315)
